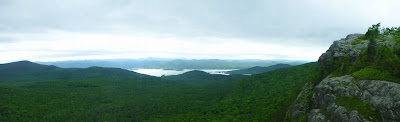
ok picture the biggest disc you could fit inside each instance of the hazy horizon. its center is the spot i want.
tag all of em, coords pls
(47, 30)
(154, 58)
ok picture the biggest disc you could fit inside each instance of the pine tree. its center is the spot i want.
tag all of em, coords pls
(372, 34)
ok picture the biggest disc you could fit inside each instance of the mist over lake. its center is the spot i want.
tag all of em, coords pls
(161, 72)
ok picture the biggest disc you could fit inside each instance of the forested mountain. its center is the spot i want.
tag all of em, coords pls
(260, 97)
(27, 71)
(258, 69)
(44, 93)
(33, 92)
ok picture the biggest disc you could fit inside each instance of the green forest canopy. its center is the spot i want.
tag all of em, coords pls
(194, 95)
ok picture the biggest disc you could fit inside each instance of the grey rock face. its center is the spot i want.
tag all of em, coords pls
(383, 95)
(349, 46)
(343, 47)
(316, 116)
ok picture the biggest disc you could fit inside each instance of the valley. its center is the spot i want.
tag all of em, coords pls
(41, 92)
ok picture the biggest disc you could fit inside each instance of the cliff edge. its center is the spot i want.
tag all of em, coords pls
(357, 80)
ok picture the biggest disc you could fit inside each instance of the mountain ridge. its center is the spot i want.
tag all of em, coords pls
(27, 71)
(259, 69)
(170, 63)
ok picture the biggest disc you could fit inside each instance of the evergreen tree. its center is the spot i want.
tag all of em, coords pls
(371, 49)
(372, 33)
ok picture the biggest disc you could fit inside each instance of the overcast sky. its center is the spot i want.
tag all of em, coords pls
(53, 30)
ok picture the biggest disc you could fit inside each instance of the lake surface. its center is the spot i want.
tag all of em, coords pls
(160, 72)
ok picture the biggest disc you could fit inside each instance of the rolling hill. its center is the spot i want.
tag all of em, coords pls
(28, 71)
(34, 92)
(259, 69)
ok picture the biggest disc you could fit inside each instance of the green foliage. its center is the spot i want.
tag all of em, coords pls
(369, 73)
(373, 32)
(388, 59)
(104, 100)
(261, 97)
(386, 66)
(389, 31)
(342, 66)
(383, 64)
(303, 118)
(397, 37)
(106, 94)
(266, 96)
(394, 31)
(371, 48)
(27, 71)
(362, 61)
(363, 107)
(384, 59)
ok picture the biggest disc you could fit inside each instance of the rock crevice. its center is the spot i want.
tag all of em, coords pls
(384, 96)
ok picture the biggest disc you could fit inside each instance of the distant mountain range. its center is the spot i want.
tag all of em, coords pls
(29, 71)
(258, 69)
(154, 63)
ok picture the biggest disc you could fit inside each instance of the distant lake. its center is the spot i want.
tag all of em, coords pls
(160, 72)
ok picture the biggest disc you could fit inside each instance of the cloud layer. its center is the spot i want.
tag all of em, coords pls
(259, 29)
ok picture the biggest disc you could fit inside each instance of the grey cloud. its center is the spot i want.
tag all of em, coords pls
(73, 53)
(7, 39)
(258, 20)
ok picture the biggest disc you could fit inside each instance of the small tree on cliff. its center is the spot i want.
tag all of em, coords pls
(372, 33)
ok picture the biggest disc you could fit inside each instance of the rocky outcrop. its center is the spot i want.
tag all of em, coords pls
(384, 96)
(343, 47)
(325, 104)
(352, 46)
